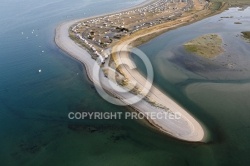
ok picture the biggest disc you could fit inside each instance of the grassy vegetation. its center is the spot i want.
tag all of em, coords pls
(73, 37)
(215, 6)
(207, 46)
(142, 40)
(246, 34)
(234, 2)
(191, 48)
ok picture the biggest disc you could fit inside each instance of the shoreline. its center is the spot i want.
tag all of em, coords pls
(86, 59)
(193, 131)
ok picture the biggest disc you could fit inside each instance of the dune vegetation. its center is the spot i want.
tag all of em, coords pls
(207, 46)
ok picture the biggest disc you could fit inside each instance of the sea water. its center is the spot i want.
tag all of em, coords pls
(40, 85)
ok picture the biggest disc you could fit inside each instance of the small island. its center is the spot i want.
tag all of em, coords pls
(206, 46)
(246, 35)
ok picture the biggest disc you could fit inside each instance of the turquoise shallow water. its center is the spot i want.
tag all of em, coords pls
(34, 126)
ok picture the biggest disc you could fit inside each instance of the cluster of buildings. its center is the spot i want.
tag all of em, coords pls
(97, 34)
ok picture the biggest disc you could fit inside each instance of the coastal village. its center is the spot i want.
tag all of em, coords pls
(99, 33)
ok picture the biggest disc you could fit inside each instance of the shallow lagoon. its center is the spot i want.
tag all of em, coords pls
(212, 89)
(169, 56)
